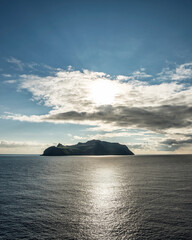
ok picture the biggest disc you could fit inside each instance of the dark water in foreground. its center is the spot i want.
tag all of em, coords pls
(113, 197)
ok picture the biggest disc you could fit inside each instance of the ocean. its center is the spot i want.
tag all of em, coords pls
(96, 197)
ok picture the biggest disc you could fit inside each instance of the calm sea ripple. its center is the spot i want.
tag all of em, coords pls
(109, 198)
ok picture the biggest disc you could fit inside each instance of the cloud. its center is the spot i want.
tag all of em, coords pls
(152, 118)
(140, 74)
(6, 75)
(72, 95)
(137, 75)
(10, 81)
(122, 77)
(135, 103)
(30, 67)
(72, 90)
(17, 147)
(174, 144)
(78, 137)
(17, 62)
(181, 72)
(139, 135)
(158, 118)
(17, 144)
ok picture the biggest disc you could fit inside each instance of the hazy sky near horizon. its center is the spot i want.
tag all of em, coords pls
(119, 71)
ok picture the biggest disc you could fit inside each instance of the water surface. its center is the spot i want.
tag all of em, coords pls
(111, 197)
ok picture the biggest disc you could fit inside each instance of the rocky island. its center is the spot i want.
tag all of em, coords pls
(93, 147)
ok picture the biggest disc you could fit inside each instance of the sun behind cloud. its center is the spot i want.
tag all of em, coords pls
(103, 92)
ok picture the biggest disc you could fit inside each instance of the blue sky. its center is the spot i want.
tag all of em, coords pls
(120, 71)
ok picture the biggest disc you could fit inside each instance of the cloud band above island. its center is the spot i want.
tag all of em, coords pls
(160, 103)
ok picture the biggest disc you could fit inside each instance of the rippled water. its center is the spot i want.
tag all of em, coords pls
(111, 197)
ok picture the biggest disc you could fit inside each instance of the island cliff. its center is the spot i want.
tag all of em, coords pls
(93, 147)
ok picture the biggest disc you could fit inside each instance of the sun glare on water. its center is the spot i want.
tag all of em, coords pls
(103, 92)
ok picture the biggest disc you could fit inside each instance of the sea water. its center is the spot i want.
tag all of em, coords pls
(87, 197)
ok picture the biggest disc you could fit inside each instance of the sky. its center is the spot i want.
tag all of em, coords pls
(119, 71)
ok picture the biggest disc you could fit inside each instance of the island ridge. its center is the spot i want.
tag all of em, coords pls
(93, 147)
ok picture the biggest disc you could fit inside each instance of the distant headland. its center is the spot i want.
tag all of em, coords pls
(93, 147)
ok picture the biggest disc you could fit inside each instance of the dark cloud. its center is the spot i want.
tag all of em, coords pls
(177, 142)
(156, 119)
(172, 144)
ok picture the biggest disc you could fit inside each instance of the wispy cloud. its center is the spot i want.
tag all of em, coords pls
(6, 75)
(181, 72)
(17, 144)
(141, 74)
(137, 75)
(17, 62)
(16, 147)
(29, 67)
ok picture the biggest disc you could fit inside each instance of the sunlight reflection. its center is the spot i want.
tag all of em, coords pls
(105, 202)
(103, 195)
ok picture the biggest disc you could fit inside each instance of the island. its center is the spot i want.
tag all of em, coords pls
(92, 147)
